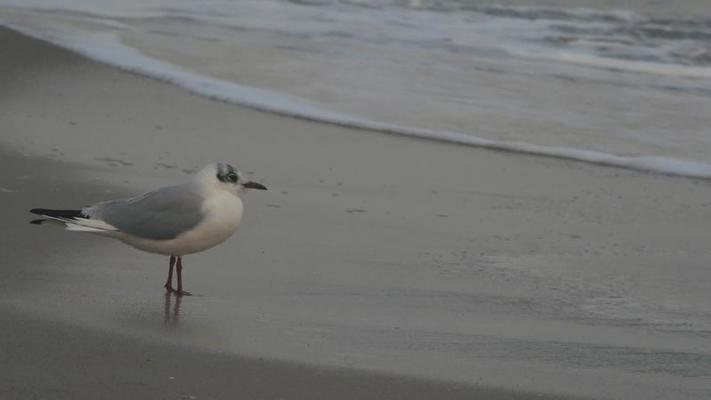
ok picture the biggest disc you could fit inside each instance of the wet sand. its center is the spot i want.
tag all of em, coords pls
(461, 268)
(47, 358)
(43, 360)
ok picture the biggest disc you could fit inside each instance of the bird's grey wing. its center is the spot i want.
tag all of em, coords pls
(162, 214)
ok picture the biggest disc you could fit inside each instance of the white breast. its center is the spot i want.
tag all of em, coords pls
(223, 214)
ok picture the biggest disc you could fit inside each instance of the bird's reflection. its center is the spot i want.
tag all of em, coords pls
(171, 310)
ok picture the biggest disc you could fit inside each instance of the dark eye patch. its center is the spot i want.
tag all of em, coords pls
(227, 173)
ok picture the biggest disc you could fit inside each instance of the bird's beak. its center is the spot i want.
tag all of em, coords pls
(254, 185)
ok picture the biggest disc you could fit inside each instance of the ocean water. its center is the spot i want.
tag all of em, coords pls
(625, 84)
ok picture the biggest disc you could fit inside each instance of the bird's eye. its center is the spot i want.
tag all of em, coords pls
(232, 177)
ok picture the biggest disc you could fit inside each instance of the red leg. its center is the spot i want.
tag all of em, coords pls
(169, 283)
(179, 268)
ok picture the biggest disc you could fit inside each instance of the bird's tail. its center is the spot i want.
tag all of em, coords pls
(73, 220)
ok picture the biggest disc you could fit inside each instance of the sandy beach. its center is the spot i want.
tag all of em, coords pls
(376, 266)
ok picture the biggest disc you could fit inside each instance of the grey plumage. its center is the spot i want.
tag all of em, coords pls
(161, 215)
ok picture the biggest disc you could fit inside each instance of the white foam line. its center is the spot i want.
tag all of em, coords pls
(106, 48)
(662, 165)
(632, 65)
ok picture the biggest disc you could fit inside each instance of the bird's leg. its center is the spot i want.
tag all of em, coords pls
(179, 268)
(169, 283)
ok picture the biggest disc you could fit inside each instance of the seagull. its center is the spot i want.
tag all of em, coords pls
(172, 221)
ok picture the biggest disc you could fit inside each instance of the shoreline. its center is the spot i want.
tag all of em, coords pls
(371, 252)
(131, 61)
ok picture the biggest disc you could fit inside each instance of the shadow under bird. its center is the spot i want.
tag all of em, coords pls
(173, 221)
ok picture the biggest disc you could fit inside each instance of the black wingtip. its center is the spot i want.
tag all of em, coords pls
(67, 214)
(37, 221)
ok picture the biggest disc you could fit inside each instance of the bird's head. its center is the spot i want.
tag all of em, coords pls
(225, 176)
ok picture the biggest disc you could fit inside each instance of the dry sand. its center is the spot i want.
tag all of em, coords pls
(370, 252)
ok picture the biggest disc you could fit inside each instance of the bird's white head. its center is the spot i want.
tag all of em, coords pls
(225, 176)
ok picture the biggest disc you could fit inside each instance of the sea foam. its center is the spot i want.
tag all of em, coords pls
(107, 48)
